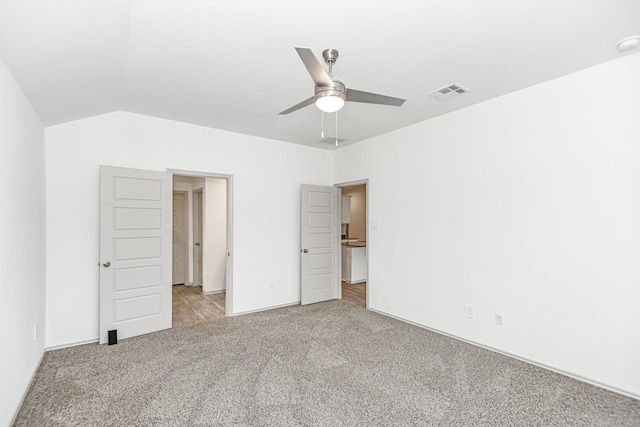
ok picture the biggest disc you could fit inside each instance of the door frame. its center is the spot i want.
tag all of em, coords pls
(340, 186)
(229, 285)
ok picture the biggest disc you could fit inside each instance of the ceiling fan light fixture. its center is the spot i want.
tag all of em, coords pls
(329, 103)
(330, 98)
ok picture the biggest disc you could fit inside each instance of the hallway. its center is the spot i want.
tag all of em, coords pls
(190, 306)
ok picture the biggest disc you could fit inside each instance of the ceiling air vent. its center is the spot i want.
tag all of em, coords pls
(331, 140)
(448, 92)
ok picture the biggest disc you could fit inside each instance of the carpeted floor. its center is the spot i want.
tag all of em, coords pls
(329, 364)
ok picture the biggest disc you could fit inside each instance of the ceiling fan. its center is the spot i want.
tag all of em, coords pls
(331, 93)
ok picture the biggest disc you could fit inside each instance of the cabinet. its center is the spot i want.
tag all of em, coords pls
(345, 251)
(354, 264)
(346, 209)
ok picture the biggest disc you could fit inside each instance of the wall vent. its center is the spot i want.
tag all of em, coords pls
(448, 92)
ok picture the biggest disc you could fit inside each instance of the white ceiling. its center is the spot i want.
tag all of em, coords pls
(231, 64)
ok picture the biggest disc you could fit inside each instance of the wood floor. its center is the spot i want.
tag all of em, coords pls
(356, 293)
(190, 306)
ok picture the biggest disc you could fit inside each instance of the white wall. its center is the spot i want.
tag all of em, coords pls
(214, 254)
(22, 246)
(527, 205)
(267, 178)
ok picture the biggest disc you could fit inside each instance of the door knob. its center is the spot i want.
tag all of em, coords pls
(197, 244)
(305, 251)
(106, 263)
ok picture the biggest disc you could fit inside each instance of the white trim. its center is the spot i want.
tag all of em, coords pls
(26, 391)
(219, 291)
(514, 356)
(229, 283)
(72, 344)
(199, 174)
(273, 307)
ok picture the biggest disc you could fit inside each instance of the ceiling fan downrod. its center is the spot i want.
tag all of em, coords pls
(330, 57)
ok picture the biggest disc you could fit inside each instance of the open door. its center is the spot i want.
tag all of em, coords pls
(197, 237)
(319, 241)
(135, 251)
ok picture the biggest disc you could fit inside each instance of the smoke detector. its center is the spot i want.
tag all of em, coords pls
(628, 43)
(448, 92)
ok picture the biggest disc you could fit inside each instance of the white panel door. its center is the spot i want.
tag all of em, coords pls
(319, 247)
(135, 251)
(197, 237)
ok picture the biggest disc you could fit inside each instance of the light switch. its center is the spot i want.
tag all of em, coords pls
(375, 225)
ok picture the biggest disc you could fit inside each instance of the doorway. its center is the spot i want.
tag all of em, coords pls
(206, 293)
(354, 242)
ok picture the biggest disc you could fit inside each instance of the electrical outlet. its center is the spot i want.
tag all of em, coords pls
(35, 332)
(468, 311)
(499, 319)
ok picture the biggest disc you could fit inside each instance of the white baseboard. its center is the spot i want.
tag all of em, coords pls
(515, 356)
(214, 292)
(72, 344)
(24, 395)
(265, 308)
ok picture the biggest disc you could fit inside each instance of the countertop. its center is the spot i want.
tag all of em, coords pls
(355, 244)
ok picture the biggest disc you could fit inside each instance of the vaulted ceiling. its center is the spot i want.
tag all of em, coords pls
(231, 64)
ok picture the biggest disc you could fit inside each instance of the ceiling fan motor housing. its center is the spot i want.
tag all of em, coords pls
(338, 89)
(330, 56)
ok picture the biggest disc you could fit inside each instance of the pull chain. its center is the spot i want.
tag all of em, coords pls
(336, 128)
(322, 130)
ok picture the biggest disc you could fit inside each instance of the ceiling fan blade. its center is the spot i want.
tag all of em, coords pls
(318, 74)
(298, 106)
(372, 98)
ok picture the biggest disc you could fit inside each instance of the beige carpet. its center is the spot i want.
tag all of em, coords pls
(329, 364)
